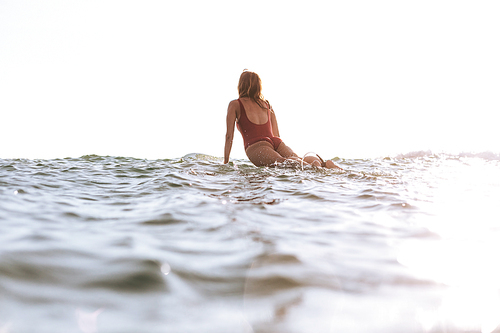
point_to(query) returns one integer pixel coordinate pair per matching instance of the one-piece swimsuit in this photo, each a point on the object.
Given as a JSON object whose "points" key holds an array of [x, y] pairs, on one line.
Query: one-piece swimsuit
{"points": [[253, 133]]}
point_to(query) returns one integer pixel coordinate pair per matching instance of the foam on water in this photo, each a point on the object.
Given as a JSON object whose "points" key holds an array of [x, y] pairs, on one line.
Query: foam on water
{"points": [[114, 244]]}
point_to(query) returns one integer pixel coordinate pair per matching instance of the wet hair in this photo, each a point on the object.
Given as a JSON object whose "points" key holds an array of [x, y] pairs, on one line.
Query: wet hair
{"points": [[250, 86]]}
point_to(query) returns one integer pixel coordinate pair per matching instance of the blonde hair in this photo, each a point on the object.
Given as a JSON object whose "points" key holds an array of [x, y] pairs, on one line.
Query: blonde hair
{"points": [[250, 86]]}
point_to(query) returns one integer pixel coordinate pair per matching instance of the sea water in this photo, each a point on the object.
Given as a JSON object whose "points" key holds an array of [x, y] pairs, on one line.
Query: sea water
{"points": [[112, 244]]}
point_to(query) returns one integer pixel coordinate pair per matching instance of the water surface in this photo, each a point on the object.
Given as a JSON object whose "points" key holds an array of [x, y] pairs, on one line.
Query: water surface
{"points": [[115, 244]]}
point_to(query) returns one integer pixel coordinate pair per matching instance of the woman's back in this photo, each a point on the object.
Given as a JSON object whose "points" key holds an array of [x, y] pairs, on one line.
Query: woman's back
{"points": [[255, 113]]}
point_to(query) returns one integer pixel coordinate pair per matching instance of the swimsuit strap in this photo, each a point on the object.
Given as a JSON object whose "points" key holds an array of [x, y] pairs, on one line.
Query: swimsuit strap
{"points": [[242, 109]]}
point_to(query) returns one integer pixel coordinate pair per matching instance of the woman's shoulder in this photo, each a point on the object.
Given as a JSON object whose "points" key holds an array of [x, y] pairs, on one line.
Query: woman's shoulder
{"points": [[234, 104], [234, 107]]}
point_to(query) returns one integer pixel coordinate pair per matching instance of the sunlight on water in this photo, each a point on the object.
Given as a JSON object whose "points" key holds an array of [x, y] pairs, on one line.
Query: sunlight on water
{"points": [[470, 272], [5, 328], [465, 257], [165, 268], [87, 321]]}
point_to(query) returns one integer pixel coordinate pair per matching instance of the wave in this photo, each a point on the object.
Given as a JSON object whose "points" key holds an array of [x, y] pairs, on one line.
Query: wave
{"points": [[200, 156], [486, 155]]}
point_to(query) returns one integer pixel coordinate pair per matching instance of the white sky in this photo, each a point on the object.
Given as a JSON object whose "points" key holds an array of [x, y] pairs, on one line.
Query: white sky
{"points": [[153, 78]]}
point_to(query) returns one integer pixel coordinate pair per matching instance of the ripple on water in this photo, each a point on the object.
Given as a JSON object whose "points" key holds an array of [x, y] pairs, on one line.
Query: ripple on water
{"points": [[164, 219], [130, 275], [79, 270]]}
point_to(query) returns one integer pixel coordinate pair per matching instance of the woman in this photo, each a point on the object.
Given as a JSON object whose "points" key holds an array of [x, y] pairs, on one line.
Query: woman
{"points": [[256, 121]]}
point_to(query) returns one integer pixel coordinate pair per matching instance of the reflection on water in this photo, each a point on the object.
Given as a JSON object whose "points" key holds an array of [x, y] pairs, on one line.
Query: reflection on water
{"points": [[293, 308], [470, 272], [471, 308], [464, 256]]}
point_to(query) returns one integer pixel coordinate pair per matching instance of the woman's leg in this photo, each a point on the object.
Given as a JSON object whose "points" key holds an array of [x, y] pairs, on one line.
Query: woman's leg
{"points": [[315, 160], [286, 151], [330, 165], [262, 153]]}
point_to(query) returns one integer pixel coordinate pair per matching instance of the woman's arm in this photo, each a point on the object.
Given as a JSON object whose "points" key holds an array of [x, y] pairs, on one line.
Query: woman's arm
{"points": [[274, 124], [230, 119]]}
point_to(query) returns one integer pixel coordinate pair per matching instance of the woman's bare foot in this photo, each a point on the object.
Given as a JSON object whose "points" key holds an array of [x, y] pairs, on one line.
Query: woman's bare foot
{"points": [[330, 165]]}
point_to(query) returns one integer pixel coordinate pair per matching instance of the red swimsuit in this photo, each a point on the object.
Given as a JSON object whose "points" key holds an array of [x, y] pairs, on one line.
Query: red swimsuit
{"points": [[253, 133]]}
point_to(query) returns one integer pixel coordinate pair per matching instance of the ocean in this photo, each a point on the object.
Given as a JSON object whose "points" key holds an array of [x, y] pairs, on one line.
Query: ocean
{"points": [[401, 244]]}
